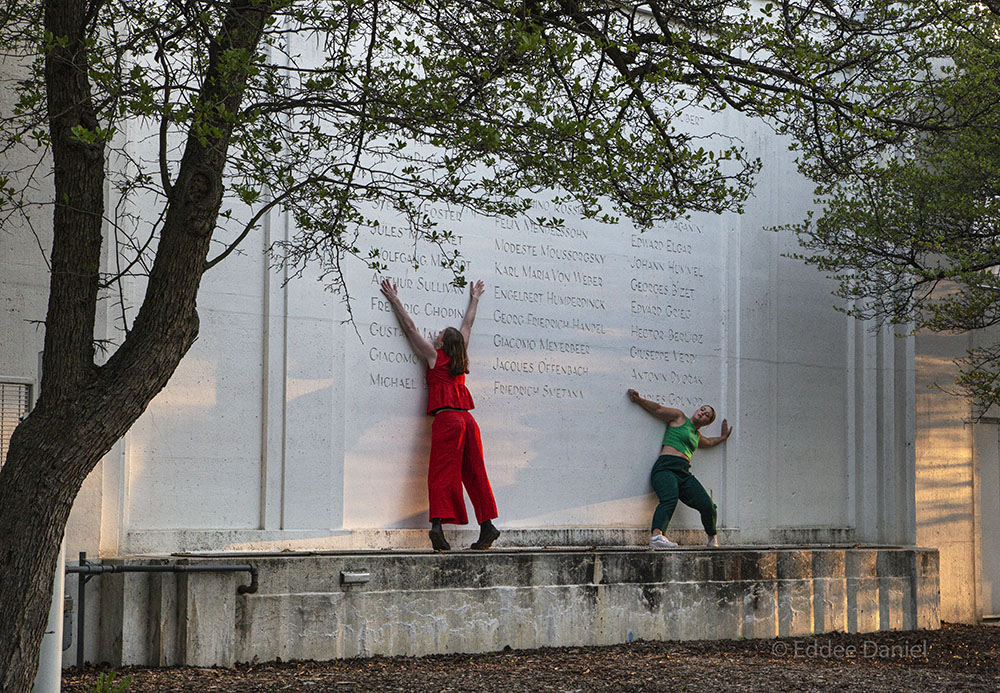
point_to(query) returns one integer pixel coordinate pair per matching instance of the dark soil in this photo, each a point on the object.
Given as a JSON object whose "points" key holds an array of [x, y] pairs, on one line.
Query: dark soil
{"points": [[955, 658]]}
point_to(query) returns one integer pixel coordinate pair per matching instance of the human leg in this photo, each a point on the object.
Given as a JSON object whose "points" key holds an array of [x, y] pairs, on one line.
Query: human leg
{"points": [[693, 494], [665, 484], [474, 476], [477, 485], [444, 470]]}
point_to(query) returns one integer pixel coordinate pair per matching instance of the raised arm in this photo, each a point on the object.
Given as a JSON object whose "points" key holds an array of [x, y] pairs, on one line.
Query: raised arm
{"points": [[476, 290], [661, 412], [420, 345], [706, 442]]}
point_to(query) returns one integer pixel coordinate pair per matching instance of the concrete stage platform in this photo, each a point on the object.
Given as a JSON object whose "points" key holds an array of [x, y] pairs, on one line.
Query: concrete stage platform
{"points": [[326, 605]]}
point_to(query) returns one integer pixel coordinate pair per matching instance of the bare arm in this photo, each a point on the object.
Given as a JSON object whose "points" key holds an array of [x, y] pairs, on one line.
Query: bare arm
{"points": [[705, 442], [420, 345], [470, 313], [661, 412]]}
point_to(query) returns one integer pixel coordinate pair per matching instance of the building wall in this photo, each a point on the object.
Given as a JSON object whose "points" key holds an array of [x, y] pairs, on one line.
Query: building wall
{"points": [[286, 427], [986, 436], [958, 481], [946, 476], [23, 276]]}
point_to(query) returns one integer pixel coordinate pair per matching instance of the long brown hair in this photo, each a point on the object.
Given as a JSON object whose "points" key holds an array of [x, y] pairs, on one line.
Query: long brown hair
{"points": [[453, 344]]}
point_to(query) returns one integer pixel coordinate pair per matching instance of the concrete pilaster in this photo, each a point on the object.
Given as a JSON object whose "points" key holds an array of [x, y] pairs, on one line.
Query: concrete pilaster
{"points": [[795, 593], [862, 591]]}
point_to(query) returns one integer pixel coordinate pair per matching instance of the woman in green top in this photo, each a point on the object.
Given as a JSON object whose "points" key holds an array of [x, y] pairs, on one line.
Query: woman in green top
{"points": [[671, 476]]}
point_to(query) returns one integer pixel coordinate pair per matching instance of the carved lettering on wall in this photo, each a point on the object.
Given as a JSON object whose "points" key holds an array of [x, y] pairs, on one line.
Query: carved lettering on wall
{"points": [[561, 302]]}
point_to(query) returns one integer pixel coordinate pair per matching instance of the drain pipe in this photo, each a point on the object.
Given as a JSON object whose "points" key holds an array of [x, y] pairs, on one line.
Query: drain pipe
{"points": [[49, 676], [88, 569]]}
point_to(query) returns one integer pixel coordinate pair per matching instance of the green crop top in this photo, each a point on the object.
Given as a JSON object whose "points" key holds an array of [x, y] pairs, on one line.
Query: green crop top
{"points": [[683, 438]]}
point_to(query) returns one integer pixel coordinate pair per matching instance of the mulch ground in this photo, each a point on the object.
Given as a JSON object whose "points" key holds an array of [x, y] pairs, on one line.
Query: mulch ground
{"points": [[955, 658]]}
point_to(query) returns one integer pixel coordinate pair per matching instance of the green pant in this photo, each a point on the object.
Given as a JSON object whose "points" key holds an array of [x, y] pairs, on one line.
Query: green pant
{"points": [[672, 482]]}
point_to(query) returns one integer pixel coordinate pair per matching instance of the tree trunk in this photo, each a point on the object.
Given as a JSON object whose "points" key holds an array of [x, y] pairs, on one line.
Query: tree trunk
{"points": [[51, 454], [36, 518], [84, 408], [36, 495]]}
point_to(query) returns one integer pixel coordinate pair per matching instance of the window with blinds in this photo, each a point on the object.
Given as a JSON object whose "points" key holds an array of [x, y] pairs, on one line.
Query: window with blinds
{"points": [[15, 400]]}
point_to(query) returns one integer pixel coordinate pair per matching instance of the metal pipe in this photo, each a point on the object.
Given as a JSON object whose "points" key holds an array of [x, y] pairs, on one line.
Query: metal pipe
{"points": [[89, 569], [86, 570], [81, 598]]}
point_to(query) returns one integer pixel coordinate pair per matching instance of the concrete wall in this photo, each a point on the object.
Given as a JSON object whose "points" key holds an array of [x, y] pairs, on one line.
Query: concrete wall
{"points": [[422, 604], [285, 427], [945, 475], [24, 243], [958, 482]]}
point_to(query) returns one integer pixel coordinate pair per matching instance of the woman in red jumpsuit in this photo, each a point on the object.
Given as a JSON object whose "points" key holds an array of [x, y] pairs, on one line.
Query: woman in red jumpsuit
{"points": [[456, 448]]}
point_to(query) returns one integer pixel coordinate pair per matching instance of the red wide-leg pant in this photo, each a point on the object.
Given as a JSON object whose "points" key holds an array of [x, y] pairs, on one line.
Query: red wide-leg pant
{"points": [[456, 459]]}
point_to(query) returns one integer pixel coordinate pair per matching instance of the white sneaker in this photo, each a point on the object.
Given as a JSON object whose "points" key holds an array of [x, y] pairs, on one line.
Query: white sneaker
{"points": [[659, 542], [713, 542]]}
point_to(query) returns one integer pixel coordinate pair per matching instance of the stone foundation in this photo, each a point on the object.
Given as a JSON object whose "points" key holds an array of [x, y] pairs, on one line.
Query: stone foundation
{"points": [[417, 603]]}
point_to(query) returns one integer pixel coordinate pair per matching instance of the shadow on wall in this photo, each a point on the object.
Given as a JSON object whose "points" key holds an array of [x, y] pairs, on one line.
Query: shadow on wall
{"points": [[944, 475]]}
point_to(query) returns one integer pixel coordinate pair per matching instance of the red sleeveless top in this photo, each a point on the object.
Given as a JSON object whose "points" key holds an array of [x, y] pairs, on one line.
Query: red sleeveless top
{"points": [[445, 389]]}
